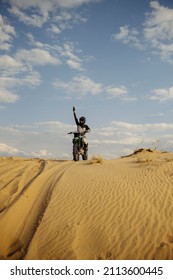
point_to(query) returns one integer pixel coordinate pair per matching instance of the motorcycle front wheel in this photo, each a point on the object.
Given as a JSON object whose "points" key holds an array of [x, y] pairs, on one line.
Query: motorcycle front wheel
{"points": [[75, 152]]}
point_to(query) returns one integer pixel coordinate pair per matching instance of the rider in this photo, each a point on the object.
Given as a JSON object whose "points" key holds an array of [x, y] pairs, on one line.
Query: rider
{"points": [[82, 128]]}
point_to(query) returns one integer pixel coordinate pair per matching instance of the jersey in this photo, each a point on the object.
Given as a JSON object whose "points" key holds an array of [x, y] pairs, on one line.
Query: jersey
{"points": [[82, 128]]}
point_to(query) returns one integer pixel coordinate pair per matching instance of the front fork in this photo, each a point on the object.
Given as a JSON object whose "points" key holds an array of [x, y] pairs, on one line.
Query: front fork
{"points": [[79, 143]]}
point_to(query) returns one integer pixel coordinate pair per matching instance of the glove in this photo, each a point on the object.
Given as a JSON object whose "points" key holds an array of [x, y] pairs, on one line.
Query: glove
{"points": [[73, 109]]}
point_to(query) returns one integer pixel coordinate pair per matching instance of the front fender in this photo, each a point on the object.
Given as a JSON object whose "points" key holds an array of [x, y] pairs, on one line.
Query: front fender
{"points": [[77, 141]]}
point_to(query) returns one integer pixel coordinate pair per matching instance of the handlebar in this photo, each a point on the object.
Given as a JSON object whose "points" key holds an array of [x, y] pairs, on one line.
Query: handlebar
{"points": [[78, 133], [74, 132]]}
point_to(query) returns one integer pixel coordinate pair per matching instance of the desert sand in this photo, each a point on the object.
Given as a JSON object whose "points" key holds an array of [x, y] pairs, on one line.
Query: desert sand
{"points": [[119, 209]]}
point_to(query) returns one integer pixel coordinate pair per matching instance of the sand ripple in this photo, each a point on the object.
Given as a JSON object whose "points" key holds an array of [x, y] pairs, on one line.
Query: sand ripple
{"points": [[120, 209]]}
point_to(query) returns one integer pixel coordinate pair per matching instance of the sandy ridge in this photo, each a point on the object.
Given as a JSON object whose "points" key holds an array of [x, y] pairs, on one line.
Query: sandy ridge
{"points": [[120, 209]]}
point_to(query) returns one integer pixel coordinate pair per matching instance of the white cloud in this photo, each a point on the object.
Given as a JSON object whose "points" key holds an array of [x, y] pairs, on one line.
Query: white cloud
{"points": [[121, 136], [55, 29], [87, 85], [8, 82], [133, 140], [49, 5], [128, 36], [120, 92], [80, 85], [143, 127], [30, 79], [65, 20], [15, 73], [68, 53], [24, 60], [7, 61], [18, 70], [73, 3], [74, 64], [72, 59], [33, 19], [7, 32], [162, 94], [7, 96], [117, 91], [157, 115], [7, 149], [37, 44], [123, 33], [71, 54], [40, 139], [159, 19], [42, 153], [37, 139], [52, 126], [37, 57], [37, 12], [158, 30], [9, 66]]}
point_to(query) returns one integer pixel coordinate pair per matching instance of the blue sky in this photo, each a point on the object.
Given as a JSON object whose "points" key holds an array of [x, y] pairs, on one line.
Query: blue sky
{"points": [[112, 59]]}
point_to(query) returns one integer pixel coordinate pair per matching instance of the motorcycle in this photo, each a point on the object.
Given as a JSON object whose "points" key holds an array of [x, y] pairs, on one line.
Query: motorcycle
{"points": [[78, 146]]}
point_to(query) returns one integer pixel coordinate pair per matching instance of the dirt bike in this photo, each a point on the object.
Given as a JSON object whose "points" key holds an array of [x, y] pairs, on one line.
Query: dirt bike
{"points": [[78, 146]]}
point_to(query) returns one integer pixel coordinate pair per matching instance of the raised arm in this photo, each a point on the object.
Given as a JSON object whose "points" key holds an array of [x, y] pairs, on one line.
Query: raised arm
{"points": [[75, 118]]}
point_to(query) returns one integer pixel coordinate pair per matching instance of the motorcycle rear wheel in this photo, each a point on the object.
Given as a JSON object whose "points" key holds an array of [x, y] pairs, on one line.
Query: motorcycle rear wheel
{"points": [[85, 156]]}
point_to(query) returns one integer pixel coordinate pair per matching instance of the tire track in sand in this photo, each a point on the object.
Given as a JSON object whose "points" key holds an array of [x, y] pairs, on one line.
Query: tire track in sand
{"points": [[41, 169], [22, 229]]}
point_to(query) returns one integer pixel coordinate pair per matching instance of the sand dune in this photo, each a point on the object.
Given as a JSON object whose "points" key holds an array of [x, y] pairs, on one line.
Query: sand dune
{"points": [[119, 209]]}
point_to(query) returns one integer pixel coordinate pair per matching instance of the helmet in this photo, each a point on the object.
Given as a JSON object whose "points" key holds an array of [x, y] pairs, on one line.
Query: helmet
{"points": [[82, 120]]}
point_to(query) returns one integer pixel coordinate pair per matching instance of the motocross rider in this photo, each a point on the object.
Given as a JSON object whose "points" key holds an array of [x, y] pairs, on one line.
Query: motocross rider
{"points": [[82, 128]]}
